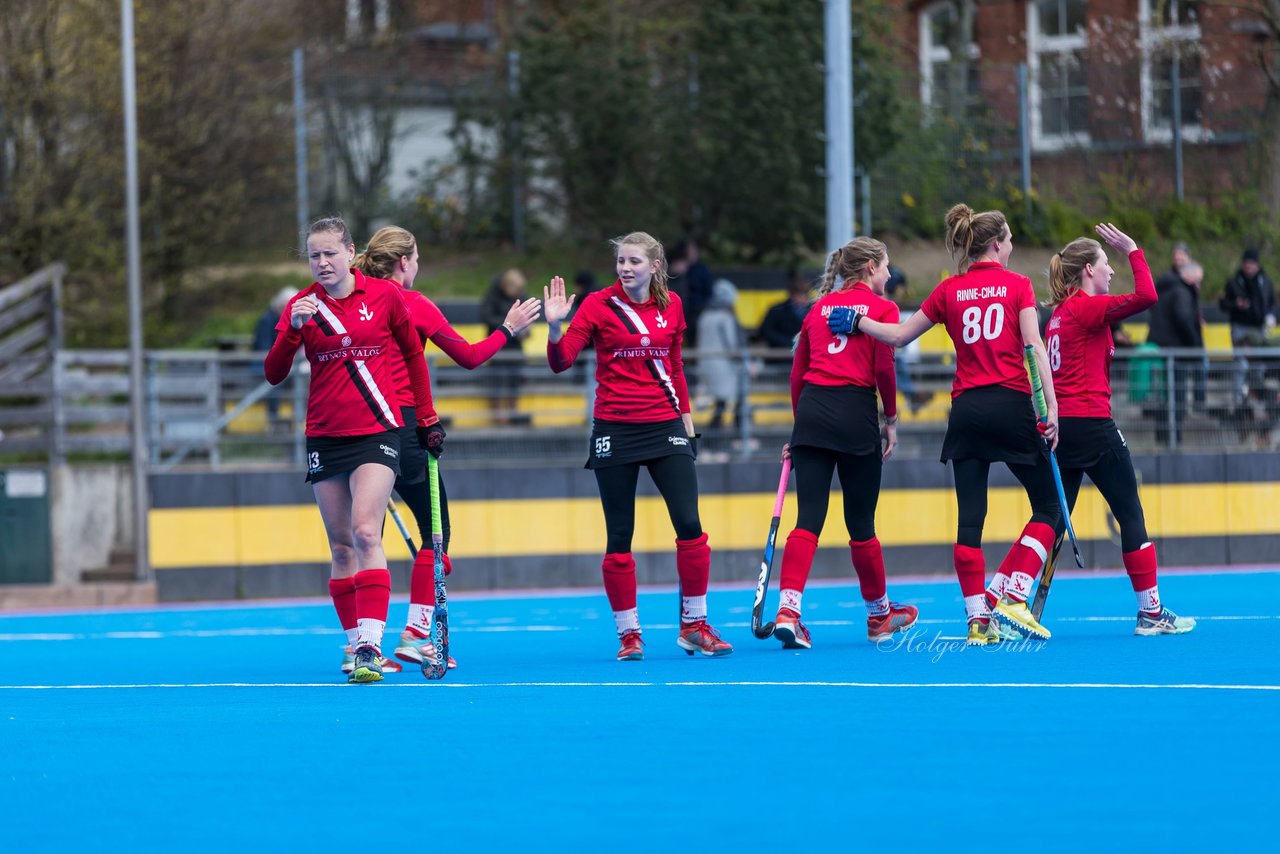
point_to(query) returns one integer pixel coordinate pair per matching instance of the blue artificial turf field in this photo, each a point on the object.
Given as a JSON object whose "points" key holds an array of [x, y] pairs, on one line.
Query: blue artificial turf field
{"points": [[230, 728]]}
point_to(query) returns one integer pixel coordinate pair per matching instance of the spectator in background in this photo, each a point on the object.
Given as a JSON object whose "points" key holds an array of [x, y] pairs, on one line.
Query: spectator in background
{"points": [[722, 354], [584, 283], [506, 377], [677, 269], [697, 283], [1175, 321], [783, 320], [264, 335], [896, 289], [1249, 299]]}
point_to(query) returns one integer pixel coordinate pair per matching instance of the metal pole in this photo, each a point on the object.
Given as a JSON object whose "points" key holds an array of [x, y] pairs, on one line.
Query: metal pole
{"points": [[864, 197], [517, 160], [839, 124], [1024, 137], [300, 146], [133, 254], [1175, 97]]}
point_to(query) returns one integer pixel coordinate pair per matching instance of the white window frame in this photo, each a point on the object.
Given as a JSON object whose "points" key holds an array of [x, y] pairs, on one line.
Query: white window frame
{"points": [[1037, 46], [1151, 35], [381, 17], [931, 53]]}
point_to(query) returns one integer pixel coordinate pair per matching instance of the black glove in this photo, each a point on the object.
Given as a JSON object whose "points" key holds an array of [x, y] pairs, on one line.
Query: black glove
{"points": [[432, 439]]}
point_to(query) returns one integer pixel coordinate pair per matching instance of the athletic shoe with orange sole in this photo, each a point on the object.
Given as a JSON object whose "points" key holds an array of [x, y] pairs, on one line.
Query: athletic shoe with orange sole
{"points": [[415, 650], [700, 637], [349, 662], [899, 618], [788, 629], [632, 647]]}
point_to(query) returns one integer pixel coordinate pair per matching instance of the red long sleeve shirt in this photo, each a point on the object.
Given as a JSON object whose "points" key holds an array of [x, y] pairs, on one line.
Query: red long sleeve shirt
{"points": [[824, 358], [1080, 345], [348, 343], [980, 310], [432, 326], [639, 369]]}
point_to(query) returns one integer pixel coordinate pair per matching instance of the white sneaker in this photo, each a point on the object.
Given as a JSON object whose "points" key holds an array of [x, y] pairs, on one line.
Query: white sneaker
{"points": [[1164, 623], [416, 650]]}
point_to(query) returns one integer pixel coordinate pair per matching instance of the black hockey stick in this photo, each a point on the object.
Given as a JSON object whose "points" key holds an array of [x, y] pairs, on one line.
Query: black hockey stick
{"points": [[440, 625], [766, 563], [1042, 413], [1046, 578]]}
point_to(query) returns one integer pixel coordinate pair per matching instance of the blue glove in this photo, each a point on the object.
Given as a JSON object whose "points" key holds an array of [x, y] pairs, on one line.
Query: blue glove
{"points": [[843, 320]]}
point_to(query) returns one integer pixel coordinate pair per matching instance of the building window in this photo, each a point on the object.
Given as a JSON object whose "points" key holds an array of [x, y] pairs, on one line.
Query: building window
{"points": [[1170, 33], [1059, 86], [939, 30], [367, 17]]}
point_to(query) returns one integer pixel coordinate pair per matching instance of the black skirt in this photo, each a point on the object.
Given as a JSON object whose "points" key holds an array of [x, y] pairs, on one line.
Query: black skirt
{"points": [[620, 443], [330, 456], [413, 458], [993, 423], [1083, 442], [842, 418]]}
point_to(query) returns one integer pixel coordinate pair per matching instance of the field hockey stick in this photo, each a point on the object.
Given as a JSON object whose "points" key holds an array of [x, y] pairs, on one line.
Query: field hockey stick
{"points": [[1042, 413], [766, 562], [440, 625], [1046, 578], [404, 532]]}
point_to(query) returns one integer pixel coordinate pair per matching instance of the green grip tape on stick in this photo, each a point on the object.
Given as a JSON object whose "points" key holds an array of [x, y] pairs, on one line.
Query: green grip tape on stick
{"points": [[437, 528], [1037, 387]]}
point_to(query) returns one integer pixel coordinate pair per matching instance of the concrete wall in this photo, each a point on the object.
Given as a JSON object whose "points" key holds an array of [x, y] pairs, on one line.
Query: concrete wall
{"points": [[92, 514], [256, 534]]}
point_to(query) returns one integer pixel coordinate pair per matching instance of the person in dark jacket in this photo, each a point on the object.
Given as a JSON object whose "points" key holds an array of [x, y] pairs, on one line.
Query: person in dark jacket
{"points": [[1175, 321], [1249, 299], [506, 377], [782, 322], [264, 335]]}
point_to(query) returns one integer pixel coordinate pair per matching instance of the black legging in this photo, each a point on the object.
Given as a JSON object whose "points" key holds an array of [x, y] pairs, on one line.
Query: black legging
{"points": [[676, 481], [1114, 477], [971, 496], [418, 497], [859, 483]]}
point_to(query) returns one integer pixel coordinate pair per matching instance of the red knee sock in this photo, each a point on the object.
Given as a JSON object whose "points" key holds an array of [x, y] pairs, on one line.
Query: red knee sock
{"points": [[373, 596], [868, 562], [620, 581], [1141, 566], [693, 565], [422, 581], [971, 569], [343, 592], [797, 561], [1025, 558], [971, 572]]}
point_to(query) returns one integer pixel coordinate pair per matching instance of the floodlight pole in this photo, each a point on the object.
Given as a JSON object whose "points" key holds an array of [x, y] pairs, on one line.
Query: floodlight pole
{"points": [[839, 124], [137, 393], [300, 155]]}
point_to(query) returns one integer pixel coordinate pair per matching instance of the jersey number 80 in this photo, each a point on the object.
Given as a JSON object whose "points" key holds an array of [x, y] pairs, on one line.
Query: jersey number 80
{"points": [[979, 324]]}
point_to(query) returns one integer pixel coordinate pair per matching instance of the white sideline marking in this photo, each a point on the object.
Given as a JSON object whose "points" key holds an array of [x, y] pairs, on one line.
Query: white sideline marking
{"points": [[775, 684], [269, 631], [248, 632]]}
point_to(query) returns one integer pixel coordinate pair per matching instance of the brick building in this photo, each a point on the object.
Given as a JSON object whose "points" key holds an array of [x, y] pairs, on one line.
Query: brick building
{"points": [[1099, 81]]}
